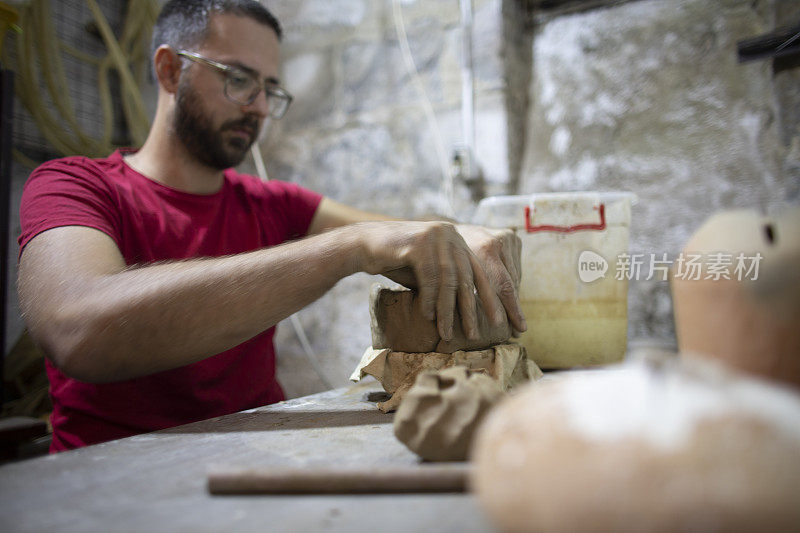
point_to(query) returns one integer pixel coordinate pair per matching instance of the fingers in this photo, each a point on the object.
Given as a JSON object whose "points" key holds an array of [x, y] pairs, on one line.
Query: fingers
{"points": [[427, 273], [507, 257], [507, 282], [445, 278], [507, 291], [466, 296], [510, 251], [506, 278], [492, 306], [448, 284], [516, 256], [517, 317], [499, 254]]}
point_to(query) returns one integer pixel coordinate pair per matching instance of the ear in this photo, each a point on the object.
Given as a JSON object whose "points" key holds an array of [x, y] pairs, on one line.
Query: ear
{"points": [[168, 68]]}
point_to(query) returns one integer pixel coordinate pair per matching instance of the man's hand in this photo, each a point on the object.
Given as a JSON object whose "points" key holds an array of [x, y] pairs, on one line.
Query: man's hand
{"points": [[498, 251], [434, 258]]}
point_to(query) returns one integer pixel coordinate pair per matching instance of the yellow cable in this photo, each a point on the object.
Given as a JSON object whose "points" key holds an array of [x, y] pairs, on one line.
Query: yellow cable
{"points": [[106, 105], [29, 87], [134, 106], [53, 70], [77, 54], [58, 122], [23, 159]]}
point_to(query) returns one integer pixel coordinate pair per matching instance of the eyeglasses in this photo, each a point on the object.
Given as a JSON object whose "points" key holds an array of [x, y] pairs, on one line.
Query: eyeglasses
{"points": [[243, 87]]}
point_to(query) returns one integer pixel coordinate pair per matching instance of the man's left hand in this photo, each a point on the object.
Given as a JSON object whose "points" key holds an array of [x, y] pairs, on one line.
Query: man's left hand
{"points": [[498, 251]]}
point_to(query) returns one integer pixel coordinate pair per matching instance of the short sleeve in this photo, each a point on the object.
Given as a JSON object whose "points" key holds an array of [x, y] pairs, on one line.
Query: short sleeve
{"points": [[67, 192], [298, 204]]}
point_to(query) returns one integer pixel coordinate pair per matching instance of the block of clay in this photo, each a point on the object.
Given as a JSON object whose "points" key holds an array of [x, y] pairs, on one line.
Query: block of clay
{"points": [[441, 411], [396, 371], [397, 322]]}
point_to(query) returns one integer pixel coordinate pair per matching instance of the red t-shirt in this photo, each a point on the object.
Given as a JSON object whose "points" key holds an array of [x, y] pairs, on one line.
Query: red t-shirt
{"points": [[151, 222]]}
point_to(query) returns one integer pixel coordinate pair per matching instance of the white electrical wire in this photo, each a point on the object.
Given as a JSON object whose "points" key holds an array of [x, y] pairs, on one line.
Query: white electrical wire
{"points": [[467, 87], [405, 49], [311, 355], [261, 170]]}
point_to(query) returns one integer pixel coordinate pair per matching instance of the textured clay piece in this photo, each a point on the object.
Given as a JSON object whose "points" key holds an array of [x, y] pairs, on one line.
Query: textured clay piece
{"points": [[750, 324], [652, 445], [440, 413], [397, 323], [396, 371]]}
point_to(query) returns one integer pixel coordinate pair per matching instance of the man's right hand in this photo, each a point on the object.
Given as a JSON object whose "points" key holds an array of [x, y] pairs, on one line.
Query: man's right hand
{"points": [[433, 258]]}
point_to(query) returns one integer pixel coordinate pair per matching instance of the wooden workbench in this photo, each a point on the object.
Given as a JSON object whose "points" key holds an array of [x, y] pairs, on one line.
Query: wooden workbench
{"points": [[157, 481]]}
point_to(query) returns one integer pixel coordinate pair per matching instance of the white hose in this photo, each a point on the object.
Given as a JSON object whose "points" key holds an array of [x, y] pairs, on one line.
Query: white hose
{"points": [[467, 88], [447, 175]]}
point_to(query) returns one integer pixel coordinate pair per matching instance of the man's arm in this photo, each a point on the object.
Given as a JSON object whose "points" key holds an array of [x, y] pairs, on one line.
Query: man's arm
{"points": [[100, 321]]}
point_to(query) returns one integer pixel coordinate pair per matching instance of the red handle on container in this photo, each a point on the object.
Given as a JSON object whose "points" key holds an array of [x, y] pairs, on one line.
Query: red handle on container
{"points": [[565, 229]]}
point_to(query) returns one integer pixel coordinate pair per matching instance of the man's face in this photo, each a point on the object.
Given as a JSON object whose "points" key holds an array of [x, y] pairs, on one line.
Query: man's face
{"points": [[216, 131], [218, 147]]}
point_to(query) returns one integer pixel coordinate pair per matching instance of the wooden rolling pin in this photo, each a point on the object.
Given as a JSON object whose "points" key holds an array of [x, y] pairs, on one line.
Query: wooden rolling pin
{"points": [[437, 478]]}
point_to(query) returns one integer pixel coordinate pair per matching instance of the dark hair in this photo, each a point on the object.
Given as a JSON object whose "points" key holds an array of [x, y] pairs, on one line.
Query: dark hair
{"points": [[184, 23]]}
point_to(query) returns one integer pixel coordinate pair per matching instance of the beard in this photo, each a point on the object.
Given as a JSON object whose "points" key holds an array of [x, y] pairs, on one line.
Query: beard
{"points": [[205, 143]]}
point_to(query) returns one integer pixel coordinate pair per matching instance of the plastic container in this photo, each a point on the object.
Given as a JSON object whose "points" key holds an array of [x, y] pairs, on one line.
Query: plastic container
{"points": [[574, 294]]}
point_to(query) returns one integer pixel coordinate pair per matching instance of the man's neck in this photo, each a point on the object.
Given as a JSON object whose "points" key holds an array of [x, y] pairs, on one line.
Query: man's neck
{"points": [[164, 159]]}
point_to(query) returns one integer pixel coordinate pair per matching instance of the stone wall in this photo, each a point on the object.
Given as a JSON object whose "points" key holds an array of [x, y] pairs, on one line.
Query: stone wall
{"points": [[357, 133], [648, 97], [645, 96]]}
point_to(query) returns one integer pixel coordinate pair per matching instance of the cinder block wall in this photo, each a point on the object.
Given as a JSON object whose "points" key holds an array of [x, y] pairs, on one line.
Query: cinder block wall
{"points": [[645, 96]]}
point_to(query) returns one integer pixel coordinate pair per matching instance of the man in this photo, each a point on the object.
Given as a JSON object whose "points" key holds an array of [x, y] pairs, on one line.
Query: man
{"points": [[153, 279]]}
